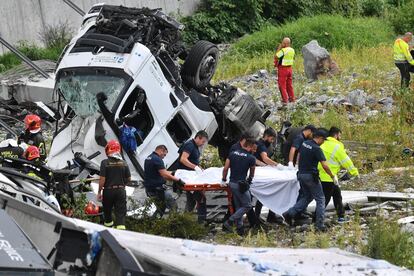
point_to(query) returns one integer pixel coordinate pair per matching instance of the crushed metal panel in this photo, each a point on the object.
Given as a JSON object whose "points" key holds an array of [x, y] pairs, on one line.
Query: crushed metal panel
{"points": [[17, 252]]}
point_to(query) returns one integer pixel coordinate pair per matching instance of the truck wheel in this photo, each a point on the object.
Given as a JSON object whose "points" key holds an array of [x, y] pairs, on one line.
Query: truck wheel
{"points": [[200, 64]]}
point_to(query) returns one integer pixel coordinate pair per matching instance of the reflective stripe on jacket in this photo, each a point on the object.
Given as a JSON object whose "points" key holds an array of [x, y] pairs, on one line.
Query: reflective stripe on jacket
{"points": [[287, 55], [336, 158], [402, 52]]}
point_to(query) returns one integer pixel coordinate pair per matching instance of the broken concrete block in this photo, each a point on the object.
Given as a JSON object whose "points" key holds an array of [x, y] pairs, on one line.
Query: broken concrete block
{"points": [[357, 97], [317, 61]]}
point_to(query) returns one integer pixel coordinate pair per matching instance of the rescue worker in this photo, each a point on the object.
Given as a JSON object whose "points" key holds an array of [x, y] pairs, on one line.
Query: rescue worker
{"points": [[337, 158], [239, 146], [403, 58], [291, 134], [262, 153], [284, 59], [155, 176], [114, 176], [310, 155], [32, 169], [305, 134], [264, 156], [32, 135], [189, 160], [10, 149], [251, 215], [240, 162]]}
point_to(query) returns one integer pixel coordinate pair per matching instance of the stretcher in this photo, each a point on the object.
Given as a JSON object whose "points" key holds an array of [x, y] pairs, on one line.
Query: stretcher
{"points": [[211, 187]]}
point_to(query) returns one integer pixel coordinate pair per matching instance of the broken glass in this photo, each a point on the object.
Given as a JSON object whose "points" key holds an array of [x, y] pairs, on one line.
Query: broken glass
{"points": [[79, 88]]}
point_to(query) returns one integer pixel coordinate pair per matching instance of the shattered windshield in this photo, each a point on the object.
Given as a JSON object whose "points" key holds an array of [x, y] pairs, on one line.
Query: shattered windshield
{"points": [[80, 86]]}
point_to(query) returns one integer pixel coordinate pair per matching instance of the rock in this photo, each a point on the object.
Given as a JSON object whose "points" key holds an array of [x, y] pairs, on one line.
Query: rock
{"points": [[409, 190], [386, 101], [321, 99], [357, 97], [316, 60], [372, 113], [371, 100], [263, 73]]}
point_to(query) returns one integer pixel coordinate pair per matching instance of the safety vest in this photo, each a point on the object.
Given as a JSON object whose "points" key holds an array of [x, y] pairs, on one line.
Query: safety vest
{"points": [[337, 158], [402, 52], [287, 55]]}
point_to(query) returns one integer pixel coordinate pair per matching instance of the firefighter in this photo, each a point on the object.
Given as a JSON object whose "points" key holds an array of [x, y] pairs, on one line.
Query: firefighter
{"points": [[336, 158], [189, 160], [114, 176], [32, 135], [310, 155], [403, 58], [155, 176], [240, 162], [284, 59], [32, 169], [10, 149]]}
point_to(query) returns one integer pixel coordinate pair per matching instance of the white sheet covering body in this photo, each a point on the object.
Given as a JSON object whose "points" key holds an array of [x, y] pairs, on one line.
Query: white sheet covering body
{"points": [[276, 189]]}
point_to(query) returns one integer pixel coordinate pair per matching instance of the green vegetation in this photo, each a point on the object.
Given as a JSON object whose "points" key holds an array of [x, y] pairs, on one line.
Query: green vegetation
{"points": [[33, 52], [174, 225], [54, 37], [387, 241], [225, 20]]}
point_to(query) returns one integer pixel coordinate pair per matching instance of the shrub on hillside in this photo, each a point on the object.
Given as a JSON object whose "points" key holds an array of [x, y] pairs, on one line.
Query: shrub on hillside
{"points": [[330, 31], [221, 20], [402, 18], [373, 7]]}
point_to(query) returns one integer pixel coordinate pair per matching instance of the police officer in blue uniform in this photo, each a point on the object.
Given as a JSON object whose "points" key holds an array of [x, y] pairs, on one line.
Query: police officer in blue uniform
{"points": [[263, 153], [155, 177], [189, 160], [304, 135], [309, 156], [240, 162]]}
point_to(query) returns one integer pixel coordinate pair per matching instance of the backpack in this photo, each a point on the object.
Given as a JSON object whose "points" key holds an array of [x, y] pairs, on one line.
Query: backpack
{"points": [[128, 140]]}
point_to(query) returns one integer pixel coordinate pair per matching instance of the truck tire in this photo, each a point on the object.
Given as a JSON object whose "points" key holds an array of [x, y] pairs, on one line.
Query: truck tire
{"points": [[200, 64]]}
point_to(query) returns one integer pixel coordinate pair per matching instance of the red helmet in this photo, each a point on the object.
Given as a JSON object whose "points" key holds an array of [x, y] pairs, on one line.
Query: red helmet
{"points": [[32, 123], [112, 147], [32, 152], [91, 208]]}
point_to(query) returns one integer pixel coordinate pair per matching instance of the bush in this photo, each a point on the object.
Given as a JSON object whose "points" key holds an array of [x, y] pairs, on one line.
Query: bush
{"points": [[402, 18], [223, 20], [330, 31], [387, 241], [56, 36], [373, 7]]}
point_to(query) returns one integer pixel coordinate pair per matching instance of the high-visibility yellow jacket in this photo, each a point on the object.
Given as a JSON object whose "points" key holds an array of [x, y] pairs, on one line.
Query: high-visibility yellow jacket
{"points": [[287, 55], [337, 158], [402, 52]]}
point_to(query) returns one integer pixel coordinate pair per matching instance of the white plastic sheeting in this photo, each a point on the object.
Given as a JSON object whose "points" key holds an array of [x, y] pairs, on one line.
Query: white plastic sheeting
{"points": [[276, 189]]}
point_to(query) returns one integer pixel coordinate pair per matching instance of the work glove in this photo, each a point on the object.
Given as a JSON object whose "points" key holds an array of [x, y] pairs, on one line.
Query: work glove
{"points": [[291, 167], [198, 170], [336, 181], [223, 183]]}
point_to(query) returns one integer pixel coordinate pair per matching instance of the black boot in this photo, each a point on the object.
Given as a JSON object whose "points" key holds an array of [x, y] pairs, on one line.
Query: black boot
{"points": [[287, 218]]}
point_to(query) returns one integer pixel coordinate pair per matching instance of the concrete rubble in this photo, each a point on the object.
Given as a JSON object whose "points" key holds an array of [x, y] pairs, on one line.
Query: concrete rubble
{"points": [[317, 61]]}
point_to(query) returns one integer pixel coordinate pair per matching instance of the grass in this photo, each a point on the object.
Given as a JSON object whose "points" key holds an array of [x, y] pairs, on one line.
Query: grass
{"points": [[387, 241], [33, 52]]}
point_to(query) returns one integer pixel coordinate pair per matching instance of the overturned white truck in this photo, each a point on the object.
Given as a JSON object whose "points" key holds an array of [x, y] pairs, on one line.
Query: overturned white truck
{"points": [[131, 65]]}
